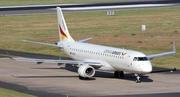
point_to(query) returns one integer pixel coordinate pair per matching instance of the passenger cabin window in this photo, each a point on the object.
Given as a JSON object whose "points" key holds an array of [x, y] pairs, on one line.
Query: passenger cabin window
{"points": [[140, 59]]}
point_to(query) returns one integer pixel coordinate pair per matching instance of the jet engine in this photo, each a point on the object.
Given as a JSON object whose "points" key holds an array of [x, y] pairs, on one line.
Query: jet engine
{"points": [[86, 71]]}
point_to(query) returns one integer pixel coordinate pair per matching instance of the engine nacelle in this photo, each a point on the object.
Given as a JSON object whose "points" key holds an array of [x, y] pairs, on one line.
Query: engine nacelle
{"points": [[86, 71]]}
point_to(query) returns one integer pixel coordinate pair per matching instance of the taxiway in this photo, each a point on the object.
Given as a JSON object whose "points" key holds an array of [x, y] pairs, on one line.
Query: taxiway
{"points": [[51, 79]]}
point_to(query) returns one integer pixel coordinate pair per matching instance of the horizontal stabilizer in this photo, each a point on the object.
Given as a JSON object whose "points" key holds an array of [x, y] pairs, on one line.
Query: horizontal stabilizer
{"points": [[41, 43], [84, 40]]}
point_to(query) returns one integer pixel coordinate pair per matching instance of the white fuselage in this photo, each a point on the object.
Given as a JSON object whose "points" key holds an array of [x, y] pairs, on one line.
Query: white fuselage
{"points": [[111, 58]]}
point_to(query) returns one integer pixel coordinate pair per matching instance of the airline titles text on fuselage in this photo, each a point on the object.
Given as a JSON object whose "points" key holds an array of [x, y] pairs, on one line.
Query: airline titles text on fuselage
{"points": [[112, 52]]}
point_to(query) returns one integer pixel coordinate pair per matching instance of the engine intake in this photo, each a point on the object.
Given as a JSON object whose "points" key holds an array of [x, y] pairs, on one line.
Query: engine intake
{"points": [[86, 71]]}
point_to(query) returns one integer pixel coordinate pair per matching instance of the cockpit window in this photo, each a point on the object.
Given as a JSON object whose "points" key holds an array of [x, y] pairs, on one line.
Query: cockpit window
{"points": [[140, 59], [135, 59]]}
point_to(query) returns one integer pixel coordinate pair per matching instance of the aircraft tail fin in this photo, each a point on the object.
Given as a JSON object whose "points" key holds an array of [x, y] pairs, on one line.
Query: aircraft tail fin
{"points": [[63, 30]]}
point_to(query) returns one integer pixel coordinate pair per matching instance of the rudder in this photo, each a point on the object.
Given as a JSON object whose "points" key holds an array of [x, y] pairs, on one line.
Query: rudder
{"points": [[63, 30]]}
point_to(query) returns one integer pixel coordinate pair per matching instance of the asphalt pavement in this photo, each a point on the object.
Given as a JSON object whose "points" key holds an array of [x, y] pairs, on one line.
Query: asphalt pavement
{"points": [[47, 80]]}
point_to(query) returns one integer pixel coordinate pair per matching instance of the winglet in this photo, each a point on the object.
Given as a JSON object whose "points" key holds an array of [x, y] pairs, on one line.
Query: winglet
{"points": [[10, 57], [174, 47]]}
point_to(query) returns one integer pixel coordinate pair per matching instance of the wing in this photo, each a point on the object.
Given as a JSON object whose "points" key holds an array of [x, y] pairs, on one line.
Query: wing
{"points": [[163, 54], [91, 63], [84, 40], [45, 60], [41, 43], [74, 62]]}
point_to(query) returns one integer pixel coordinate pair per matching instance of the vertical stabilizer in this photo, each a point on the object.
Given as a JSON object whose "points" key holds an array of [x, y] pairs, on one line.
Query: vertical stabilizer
{"points": [[63, 30]]}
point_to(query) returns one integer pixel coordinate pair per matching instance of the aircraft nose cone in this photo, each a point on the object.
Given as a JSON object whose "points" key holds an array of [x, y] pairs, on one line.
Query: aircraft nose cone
{"points": [[146, 68]]}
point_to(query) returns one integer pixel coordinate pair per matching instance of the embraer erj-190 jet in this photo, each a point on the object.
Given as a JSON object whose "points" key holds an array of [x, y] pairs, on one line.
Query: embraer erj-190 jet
{"points": [[90, 57]]}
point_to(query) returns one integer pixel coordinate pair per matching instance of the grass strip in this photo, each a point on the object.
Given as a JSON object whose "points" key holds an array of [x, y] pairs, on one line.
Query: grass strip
{"points": [[12, 93]]}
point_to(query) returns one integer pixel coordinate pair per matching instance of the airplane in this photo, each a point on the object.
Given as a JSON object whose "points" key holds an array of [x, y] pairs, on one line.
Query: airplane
{"points": [[91, 57]]}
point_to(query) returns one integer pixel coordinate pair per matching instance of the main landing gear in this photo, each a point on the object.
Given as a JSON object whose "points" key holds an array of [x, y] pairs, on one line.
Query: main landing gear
{"points": [[138, 78], [118, 74], [121, 75]]}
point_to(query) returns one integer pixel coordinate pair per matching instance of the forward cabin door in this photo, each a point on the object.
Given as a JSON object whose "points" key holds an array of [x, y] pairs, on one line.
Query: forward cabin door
{"points": [[128, 61]]}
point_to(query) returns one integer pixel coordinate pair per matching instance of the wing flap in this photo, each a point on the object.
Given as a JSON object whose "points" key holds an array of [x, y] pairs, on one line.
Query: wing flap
{"points": [[46, 60], [39, 61]]}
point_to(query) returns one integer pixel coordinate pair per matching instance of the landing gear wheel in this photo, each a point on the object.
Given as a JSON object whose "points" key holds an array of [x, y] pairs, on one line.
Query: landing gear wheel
{"points": [[116, 74], [121, 75], [138, 81], [138, 78]]}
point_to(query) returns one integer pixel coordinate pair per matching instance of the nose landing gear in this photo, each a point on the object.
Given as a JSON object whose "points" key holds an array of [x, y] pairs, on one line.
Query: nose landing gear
{"points": [[138, 78]]}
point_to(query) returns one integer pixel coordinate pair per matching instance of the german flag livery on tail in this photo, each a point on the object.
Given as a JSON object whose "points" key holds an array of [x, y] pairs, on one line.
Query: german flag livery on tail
{"points": [[63, 30]]}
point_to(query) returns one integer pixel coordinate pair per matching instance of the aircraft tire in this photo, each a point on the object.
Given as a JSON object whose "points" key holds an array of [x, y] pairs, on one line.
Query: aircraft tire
{"points": [[116, 74], [121, 74]]}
